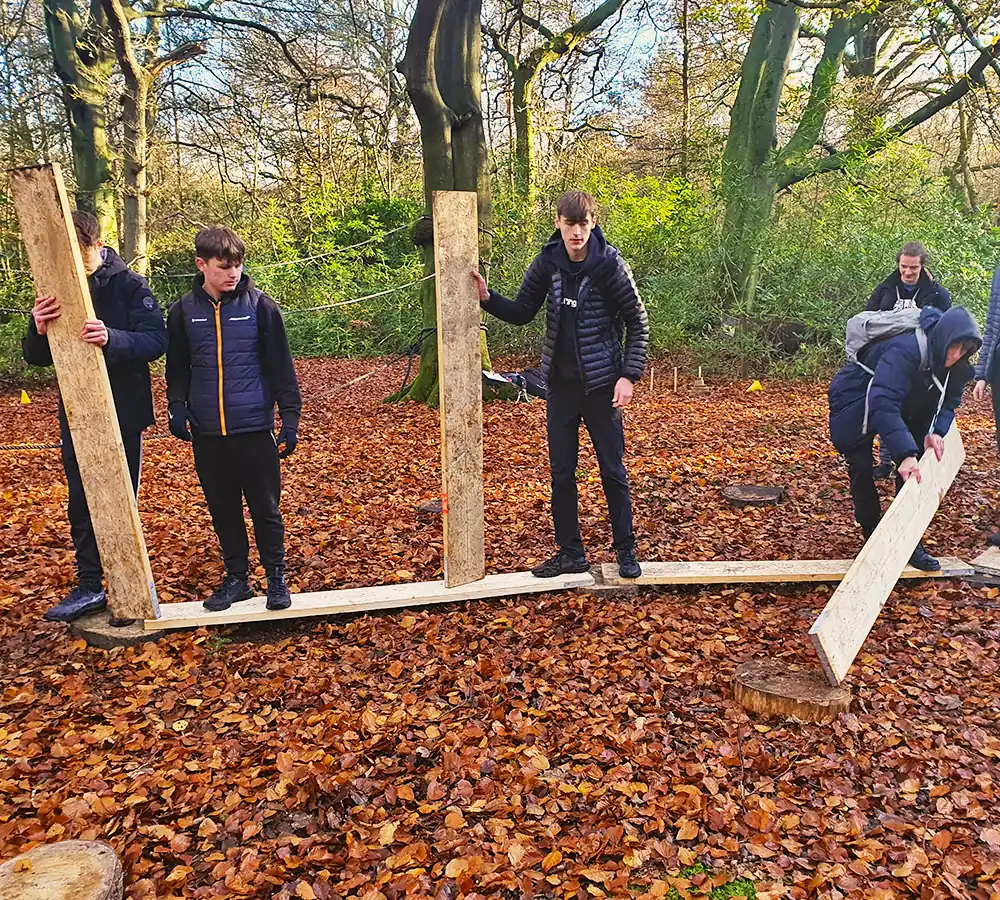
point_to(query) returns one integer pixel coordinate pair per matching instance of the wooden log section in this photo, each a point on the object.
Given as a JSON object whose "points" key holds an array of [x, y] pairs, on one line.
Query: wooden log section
{"points": [[774, 688], [842, 627], [460, 385], [47, 227], [69, 870]]}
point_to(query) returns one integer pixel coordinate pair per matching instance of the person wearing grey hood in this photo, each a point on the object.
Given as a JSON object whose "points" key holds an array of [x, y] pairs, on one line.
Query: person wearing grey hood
{"points": [[909, 401]]}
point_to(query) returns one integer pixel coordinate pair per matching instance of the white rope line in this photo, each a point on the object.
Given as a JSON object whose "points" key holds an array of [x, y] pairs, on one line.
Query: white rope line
{"points": [[392, 290], [292, 262]]}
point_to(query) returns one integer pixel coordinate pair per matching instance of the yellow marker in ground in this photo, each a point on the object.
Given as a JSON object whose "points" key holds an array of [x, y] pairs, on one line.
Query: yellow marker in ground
{"points": [[756, 386], [25, 399]]}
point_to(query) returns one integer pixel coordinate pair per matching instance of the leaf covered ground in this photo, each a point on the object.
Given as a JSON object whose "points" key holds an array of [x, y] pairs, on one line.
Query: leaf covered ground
{"points": [[557, 745]]}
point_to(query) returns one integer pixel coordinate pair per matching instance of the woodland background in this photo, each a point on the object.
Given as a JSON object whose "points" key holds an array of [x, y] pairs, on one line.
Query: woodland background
{"points": [[758, 164]]}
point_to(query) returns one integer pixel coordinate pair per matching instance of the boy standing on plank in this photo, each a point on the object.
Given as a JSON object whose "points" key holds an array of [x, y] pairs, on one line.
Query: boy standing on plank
{"points": [[228, 364], [593, 308], [129, 327], [905, 389]]}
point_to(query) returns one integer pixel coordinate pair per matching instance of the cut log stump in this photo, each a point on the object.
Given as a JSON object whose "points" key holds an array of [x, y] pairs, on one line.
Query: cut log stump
{"points": [[69, 870], [774, 688], [740, 495]]}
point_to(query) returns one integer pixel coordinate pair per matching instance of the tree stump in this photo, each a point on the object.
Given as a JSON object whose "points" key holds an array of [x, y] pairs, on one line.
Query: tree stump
{"points": [[69, 870], [775, 688], [740, 495]]}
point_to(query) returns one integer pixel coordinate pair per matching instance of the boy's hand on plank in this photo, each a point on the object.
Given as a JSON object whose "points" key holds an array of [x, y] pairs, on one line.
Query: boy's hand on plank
{"points": [[484, 292], [45, 310], [909, 468], [95, 332], [936, 443]]}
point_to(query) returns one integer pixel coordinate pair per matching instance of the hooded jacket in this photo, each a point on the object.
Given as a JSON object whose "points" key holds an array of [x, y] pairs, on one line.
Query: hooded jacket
{"points": [[136, 336], [984, 365], [612, 328], [930, 292], [229, 361], [906, 400]]}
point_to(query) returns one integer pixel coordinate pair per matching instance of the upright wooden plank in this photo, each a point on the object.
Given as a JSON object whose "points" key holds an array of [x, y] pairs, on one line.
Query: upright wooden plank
{"points": [[779, 571], [43, 210], [193, 614], [460, 366], [840, 630]]}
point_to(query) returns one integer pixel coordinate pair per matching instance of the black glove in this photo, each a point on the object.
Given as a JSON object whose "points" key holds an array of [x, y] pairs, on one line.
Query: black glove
{"points": [[177, 415], [286, 441]]}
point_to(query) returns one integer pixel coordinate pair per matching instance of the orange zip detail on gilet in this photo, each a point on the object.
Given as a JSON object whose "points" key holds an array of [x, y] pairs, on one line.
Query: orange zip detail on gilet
{"points": [[218, 354]]}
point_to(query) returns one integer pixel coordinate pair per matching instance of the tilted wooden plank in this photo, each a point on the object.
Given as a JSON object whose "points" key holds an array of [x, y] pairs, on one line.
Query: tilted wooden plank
{"points": [[989, 562], [353, 600], [848, 617], [47, 227], [783, 571], [460, 384]]}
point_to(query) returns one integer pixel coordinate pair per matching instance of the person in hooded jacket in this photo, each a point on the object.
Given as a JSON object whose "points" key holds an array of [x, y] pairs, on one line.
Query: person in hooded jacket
{"points": [[596, 338], [910, 285], [129, 326], [228, 365], [909, 404], [988, 368]]}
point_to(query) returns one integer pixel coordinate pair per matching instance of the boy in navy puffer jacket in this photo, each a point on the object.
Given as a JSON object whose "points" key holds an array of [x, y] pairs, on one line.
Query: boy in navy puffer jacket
{"points": [[228, 364], [909, 404]]}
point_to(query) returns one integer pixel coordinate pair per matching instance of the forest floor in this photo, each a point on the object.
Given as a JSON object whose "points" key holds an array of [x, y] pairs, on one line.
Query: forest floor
{"points": [[557, 745]]}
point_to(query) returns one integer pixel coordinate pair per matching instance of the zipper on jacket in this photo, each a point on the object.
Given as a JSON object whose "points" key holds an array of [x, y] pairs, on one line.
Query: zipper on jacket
{"points": [[584, 285], [218, 356]]}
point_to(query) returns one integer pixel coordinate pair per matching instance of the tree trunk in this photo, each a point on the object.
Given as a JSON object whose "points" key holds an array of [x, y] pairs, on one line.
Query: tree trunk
{"points": [[443, 79], [83, 59], [524, 136]]}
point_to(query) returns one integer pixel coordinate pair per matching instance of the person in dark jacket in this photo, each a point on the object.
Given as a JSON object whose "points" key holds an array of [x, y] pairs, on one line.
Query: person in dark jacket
{"points": [[912, 284], [228, 364], [596, 338], [909, 402], [988, 369], [129, 326]]}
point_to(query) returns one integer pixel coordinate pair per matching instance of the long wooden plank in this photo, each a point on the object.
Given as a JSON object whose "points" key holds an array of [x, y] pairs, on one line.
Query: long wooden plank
{"points": [[354, 600], [460, 380], [841, 629], [989, 562], [43, 210], [763, 571]]}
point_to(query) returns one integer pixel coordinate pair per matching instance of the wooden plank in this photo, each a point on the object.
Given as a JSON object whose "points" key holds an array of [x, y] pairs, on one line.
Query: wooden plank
{"points": [[841, 629], [355, 600], [989, 562], [47, 227], [763, 571], [460, 380]]}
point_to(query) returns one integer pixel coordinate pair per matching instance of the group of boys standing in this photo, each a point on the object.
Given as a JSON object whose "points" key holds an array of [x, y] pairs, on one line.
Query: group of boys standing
{"points": [[229, 365]]}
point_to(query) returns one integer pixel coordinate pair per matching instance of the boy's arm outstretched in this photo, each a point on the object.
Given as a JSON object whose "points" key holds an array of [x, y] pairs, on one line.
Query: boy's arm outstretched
{"points": [[530, 296]]}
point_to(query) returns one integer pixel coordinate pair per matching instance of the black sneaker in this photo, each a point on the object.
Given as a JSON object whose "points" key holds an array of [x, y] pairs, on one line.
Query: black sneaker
{"points": [[628, 565], [922, 560], [277, 591], [994, 539], [80, 601], [882, 471], [233, 589], [565, 562]]}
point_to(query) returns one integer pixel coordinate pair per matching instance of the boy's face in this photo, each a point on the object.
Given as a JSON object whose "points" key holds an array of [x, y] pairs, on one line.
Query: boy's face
{"points": [[575, 234], [957, 352], [910, 268], [92, 259], [220, 276]]}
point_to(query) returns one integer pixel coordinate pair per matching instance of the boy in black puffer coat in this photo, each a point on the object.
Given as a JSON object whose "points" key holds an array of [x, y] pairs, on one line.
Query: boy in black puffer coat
{"points": [[129, 326], [596, 338], [227, 366], [910, 403]]}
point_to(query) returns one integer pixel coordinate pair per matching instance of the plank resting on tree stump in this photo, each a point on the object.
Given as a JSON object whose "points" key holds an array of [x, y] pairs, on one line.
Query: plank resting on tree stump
{"points": [[69, 870], [773, 688], [989, 562], [460, 380], [47, 227], [848, 617]]}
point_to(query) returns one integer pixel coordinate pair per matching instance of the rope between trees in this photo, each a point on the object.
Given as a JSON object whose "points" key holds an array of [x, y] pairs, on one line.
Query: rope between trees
{"points": [[399, 287]]}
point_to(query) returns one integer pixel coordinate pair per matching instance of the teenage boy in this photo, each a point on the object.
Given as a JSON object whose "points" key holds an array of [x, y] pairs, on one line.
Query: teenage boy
{"points": [[911, 285], [593, 308], [988, 370], [909, 401], [228, 364], [128, 325]]}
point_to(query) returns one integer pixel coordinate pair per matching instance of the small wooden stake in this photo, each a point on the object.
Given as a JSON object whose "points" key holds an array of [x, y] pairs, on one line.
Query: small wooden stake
{"points": [[47, 228], [460, 367], [652, 375], [675, 379]]}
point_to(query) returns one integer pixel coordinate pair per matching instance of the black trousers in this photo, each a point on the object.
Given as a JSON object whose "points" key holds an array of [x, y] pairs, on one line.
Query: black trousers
{"points": [[229, 469], [88, 559], [867, 508], [995, 393], [566, 407]]}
